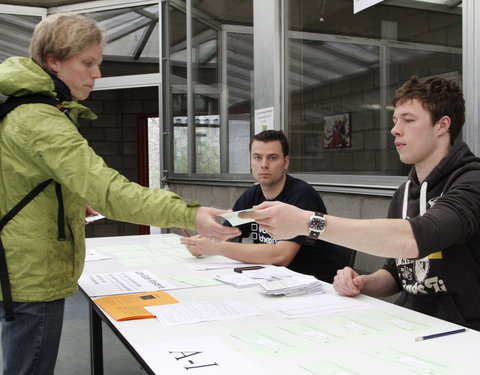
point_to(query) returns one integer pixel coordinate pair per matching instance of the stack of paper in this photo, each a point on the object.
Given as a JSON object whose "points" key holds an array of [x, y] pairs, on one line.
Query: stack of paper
{"points": [[237, 280], [292, 286], [274, 280]]}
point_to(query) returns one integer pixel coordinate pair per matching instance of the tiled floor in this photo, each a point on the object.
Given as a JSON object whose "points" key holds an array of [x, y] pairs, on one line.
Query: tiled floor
{"points": [[74, 354]]}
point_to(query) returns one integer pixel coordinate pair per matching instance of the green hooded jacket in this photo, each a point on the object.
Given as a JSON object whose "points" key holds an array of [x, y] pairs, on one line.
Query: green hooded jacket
{"points": [[38, 142]]}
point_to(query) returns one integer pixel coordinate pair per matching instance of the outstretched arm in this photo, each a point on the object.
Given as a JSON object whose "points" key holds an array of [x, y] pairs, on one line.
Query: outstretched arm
{"points": [[391, 238]]}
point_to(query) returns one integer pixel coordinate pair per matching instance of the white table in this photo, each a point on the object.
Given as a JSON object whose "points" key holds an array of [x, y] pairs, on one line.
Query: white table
{"points": [[365, 341]]}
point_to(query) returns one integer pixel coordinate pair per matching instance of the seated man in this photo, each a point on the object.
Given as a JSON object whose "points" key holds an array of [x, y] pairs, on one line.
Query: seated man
{"points": [[269, 152]]}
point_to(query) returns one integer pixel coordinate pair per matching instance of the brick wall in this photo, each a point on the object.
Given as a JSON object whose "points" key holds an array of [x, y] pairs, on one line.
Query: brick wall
{"points": [[113, 136]]}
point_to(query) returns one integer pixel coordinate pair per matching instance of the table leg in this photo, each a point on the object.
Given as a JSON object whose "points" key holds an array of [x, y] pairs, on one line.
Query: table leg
{"points": [[96, 342]]}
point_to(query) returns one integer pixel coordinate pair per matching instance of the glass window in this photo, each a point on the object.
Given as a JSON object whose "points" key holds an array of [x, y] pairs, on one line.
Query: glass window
{"points": [[206, 88], [221, 81], [239, 88], [177, 80], [132, 40], [154, 134], [15, 34], [342, 71]]}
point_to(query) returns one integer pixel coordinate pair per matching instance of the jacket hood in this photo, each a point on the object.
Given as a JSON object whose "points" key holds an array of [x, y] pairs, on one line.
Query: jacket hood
{"points": [[455, 161], [21, 76]]}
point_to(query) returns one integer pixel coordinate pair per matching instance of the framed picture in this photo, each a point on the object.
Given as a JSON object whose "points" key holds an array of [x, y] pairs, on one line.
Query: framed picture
{"points": [[337, 131]]}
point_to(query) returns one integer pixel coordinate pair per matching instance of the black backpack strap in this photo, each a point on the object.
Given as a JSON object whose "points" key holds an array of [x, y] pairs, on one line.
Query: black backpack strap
{"points": [[60, 215], [14, 101], [7, 106], [4, 279]]}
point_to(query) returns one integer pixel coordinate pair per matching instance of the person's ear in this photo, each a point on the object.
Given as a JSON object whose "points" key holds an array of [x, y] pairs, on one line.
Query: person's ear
{"points": [[287, 162], [52, 64], [444, 124]]}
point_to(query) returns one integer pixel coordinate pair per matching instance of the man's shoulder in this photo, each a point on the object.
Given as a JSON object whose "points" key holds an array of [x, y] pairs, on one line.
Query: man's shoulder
{"points": [[294, 183], [301, 194], [248, 197]]}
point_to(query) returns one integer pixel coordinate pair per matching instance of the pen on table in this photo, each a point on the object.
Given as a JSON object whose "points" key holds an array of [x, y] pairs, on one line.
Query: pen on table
{"points": [[441, 334]]}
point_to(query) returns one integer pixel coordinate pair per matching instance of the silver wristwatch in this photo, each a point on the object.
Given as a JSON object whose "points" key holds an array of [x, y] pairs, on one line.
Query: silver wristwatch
{"points": [[316, 225]]}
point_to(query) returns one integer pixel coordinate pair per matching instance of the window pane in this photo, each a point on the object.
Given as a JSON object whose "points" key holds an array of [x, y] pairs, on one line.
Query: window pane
{"points": [[240, 87], [15, 34], [154, 152], [180, 133], [340, 89], [435, 24], [178, 88], [132, 40], [222, 66], [206, 87]]}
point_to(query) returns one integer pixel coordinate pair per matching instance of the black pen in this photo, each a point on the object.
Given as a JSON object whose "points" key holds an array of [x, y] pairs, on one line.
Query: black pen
{"points": [[441, 334], [185, 232]]}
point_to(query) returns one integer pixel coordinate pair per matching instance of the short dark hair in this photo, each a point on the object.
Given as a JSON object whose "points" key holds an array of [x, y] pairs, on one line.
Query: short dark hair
{"points": [[439, 96], [270, 136]]}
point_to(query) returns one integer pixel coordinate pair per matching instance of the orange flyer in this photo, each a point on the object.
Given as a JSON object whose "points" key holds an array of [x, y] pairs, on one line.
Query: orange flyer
{"points": [[131, 306]]}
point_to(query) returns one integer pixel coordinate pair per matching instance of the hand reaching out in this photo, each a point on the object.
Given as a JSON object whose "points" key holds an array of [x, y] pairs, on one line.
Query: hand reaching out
{"points": [[206, 225]]}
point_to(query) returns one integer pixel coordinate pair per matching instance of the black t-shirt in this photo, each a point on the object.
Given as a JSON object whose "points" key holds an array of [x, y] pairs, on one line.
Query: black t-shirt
{"points": [[317, 258]]}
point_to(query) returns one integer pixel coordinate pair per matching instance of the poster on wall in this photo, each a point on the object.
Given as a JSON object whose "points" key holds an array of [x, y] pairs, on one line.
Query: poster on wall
{"points": [[337, 131], [264, 118], [359, 5]]}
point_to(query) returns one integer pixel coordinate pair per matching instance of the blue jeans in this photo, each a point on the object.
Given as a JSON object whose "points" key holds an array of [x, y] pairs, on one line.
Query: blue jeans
{"points": [[30, 342]]}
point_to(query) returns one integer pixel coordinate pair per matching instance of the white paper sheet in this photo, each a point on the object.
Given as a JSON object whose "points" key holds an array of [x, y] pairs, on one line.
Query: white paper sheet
{"points": [[234, 220], [237, 280], [195, 312], [214, 263], [316, 304], [90, 219], [105, 284], [92, 255], [200, 356]]}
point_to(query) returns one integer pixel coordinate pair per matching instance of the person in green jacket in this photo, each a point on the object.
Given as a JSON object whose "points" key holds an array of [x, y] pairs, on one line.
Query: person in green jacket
{"points": [[37, 143]]}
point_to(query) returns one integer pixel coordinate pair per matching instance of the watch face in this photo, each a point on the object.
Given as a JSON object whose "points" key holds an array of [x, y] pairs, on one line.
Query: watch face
{"points": [[317, 223]]}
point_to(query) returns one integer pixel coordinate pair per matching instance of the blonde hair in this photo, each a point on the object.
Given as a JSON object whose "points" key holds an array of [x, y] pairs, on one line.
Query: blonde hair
{"points": [[63, 35]]}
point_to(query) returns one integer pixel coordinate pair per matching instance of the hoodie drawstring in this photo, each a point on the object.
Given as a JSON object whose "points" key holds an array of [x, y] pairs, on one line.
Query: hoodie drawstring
{"points": [[423, 199], [405, 199]]}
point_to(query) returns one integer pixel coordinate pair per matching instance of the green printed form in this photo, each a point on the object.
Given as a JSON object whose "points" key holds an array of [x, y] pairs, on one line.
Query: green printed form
{"points": [[136, 255], [353, 327], [271, 341], [325, 367], [312, 333], [416, 364], [390, 320]]}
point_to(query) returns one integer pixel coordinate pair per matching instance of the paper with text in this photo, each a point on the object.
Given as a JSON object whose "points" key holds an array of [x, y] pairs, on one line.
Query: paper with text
{"points": [[195, 312], [105, 284], [197, 356]]}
